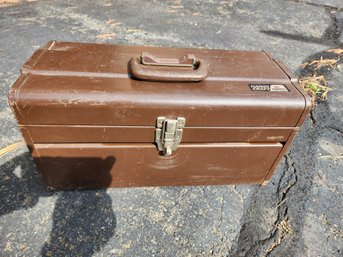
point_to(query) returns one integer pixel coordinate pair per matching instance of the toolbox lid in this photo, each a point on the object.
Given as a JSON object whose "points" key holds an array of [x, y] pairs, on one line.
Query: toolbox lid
{"points": [[101, 84]]}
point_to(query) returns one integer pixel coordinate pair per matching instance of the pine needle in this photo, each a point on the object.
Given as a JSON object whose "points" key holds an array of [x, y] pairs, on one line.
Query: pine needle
{"points": [[331, 157], [10, 148], [284, 228], [337, 51], [317, 64]]}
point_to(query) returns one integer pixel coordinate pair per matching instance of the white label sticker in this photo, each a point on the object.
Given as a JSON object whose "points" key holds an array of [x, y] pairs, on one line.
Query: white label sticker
{"points": [[278, 88], [268, 87]]}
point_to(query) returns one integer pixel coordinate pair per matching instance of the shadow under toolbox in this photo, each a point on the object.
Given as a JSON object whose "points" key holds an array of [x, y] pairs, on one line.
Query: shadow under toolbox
{"points": [[100, 115]]}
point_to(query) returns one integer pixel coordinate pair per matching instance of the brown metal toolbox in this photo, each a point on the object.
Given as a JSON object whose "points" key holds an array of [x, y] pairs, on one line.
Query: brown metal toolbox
{"points": [[100, 115]]}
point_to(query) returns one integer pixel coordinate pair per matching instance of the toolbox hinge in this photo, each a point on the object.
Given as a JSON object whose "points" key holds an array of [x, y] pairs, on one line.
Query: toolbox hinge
{"points": [[168, 134]]}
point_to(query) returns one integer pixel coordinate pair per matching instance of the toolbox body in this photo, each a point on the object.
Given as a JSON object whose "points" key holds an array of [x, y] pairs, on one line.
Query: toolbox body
{"points": [[100, 115]]}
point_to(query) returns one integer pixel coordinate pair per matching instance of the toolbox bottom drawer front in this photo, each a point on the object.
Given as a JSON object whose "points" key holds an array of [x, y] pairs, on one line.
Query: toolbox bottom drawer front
{"points": [[125, 165]]}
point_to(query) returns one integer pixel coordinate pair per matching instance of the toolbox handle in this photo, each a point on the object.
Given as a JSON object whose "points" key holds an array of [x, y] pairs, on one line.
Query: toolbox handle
{"points": [[150, 67]]}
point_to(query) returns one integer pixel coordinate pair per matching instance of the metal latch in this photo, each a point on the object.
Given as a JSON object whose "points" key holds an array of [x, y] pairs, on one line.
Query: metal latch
{"points": [[168, 134]]}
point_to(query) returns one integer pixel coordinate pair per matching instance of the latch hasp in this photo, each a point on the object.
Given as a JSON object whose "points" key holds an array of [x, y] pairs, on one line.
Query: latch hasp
{"points": [[168, 134]]}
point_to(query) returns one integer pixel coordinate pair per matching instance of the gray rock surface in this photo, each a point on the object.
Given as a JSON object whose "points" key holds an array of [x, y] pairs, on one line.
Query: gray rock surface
{"points": [[299, 213]]}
